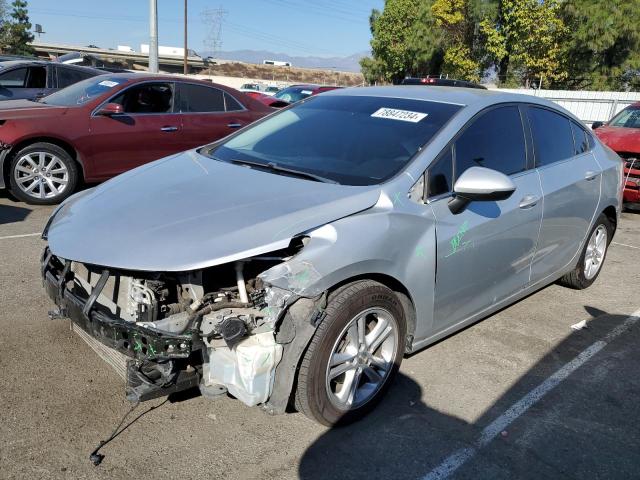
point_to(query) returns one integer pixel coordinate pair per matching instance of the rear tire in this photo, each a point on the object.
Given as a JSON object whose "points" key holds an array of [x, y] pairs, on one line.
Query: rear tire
{"points": [[363, 337], [42, 174], [593, 255]]}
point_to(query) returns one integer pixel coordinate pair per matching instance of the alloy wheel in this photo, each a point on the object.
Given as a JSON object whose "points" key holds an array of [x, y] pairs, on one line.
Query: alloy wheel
{"points": [[594, 255], [361, 358], [41, 175]]}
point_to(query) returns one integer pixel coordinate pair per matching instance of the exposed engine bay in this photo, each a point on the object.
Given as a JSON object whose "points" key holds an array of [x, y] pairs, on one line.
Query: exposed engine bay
{"points": [[214, 328]]}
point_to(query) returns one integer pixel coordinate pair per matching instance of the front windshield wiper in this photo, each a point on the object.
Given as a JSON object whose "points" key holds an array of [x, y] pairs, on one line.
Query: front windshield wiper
{"points": [[278, 168]]}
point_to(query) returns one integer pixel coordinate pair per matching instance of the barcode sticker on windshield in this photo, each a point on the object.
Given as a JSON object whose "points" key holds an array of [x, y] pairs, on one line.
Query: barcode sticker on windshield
{"points": [[403, 115], [108, 83]]}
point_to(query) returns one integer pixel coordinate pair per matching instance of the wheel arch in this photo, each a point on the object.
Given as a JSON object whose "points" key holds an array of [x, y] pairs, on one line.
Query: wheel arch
{"points": [[66, 146], [403, 294], [612, 215]]}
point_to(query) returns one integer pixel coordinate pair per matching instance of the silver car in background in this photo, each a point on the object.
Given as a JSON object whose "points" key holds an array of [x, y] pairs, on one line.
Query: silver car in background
{"points": [[297, 261]]}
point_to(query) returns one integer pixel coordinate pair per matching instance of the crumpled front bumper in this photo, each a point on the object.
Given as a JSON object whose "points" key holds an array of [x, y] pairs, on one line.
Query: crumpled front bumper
{"points": [[131, 339]]}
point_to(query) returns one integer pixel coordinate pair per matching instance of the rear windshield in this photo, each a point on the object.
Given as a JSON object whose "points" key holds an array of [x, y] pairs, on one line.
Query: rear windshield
{"points": [[628, 118], [294, 94], [84, 91], [351, 140]]}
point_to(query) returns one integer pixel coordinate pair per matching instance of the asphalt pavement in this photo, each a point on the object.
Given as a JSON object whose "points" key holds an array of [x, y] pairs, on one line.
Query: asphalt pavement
{"points": [[518, 395]]}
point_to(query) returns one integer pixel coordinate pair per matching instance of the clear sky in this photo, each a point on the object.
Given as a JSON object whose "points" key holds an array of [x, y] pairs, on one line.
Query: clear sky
{"points": [[295, 27]]}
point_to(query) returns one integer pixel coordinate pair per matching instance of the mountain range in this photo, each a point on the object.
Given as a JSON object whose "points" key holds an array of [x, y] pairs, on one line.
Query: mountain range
{"points": [[343, 64]]}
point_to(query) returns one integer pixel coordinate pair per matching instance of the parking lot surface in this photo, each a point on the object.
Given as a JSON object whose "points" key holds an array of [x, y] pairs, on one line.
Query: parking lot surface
{"points": [[518, 395]]}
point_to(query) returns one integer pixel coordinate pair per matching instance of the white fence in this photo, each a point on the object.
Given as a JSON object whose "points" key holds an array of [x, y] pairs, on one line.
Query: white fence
{"points": [[587, 106]]}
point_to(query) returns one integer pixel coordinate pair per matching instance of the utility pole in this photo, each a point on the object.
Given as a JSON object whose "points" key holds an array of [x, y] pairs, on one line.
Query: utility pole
{"points": [[186, 41], [153, 36]]}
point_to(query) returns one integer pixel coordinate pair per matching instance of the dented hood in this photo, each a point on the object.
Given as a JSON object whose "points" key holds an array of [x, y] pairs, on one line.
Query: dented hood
{"points": [[189, 211]]}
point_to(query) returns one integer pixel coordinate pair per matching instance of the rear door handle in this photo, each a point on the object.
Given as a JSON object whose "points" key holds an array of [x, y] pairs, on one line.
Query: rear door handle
{"points": [[590, 175], [529, 201], [169, 128], [234, 125]]}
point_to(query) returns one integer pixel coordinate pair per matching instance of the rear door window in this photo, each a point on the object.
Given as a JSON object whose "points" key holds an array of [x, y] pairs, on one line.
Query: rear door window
{"points": [[69, 76], [200, 99], [552, 136], [494, 140]]}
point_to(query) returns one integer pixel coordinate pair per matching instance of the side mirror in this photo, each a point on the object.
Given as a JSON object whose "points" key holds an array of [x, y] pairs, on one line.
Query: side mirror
{"points": [[111, 109], [595, 125], [480, 184]]}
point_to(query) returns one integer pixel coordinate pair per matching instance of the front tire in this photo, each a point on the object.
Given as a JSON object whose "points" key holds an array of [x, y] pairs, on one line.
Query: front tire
{"points": [[42, 174], [353, 356], [593, 256]]}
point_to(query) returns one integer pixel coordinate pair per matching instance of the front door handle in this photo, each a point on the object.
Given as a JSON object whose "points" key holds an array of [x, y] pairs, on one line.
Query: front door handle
{"points": [[234, 125], [590, 175], [169, 128], [529, 201]]}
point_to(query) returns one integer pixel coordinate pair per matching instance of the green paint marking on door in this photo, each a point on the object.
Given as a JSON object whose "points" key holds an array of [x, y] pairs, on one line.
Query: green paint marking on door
{"points": [[456, 242]]}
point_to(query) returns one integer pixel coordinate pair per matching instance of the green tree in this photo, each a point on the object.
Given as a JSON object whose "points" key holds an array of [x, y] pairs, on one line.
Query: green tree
{"points": [[525, 41], [16, 31], [603, 50], [456, 20], [391, 30], [402, 41], [425, 42]]}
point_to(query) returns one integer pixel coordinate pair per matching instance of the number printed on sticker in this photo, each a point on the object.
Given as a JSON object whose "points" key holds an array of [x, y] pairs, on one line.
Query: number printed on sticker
{"points": [[395, 114]]}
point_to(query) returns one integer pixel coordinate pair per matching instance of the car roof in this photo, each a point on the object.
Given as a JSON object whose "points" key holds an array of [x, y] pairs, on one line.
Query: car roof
{"points": [[134, 76], [26, 63], [15, 63], [455, 95]]}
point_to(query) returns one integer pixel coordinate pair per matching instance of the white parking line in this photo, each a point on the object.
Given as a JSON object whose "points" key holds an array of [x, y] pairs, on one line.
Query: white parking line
{"points": [[21, 236], [625, 245], [491, 431]]}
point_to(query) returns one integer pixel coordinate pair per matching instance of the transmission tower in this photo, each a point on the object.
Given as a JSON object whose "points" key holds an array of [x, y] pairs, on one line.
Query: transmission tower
{"points": [[213, 18]]}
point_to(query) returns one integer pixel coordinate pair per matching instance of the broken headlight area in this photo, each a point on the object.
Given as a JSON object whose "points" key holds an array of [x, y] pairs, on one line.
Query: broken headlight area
{"points": [[214, 327]]}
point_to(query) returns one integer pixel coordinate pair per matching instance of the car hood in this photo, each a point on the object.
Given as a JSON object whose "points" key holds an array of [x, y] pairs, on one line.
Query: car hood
{"points": [[26, 108], [620, 139], [189, 211]]}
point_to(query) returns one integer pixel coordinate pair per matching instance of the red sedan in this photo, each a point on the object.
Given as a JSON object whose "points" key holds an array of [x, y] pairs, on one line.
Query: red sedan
{"points": [[622, 134], [105, 125]]}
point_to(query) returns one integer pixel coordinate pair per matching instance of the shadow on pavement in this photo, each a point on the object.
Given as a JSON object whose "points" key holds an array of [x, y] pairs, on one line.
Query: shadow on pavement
{"points": [[586, 427], [13, 214]]}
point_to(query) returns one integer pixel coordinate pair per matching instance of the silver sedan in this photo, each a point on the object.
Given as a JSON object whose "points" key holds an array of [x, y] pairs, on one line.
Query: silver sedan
{"points": [[297, 261]]}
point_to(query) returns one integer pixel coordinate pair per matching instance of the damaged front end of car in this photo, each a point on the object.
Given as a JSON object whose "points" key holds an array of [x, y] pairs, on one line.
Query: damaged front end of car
{"points": [[224, 329]]}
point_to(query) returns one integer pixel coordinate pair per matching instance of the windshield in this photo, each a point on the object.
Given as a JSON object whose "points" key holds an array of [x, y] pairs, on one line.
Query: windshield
{"points": [[294, 94], [84, 91], [627, 118], [351, 140]]}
